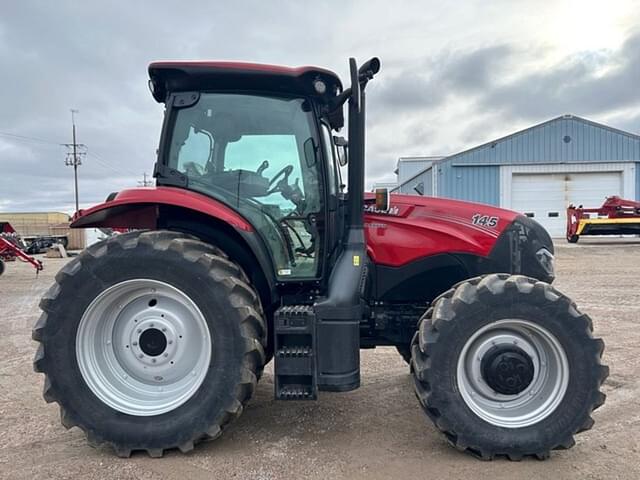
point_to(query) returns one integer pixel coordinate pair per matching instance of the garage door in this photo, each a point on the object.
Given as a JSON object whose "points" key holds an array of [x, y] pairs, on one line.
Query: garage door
{"points": [[545, 196]]}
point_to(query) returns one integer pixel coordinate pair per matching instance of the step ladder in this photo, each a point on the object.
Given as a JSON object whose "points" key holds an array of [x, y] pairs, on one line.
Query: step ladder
{"points": [[295, 353]]}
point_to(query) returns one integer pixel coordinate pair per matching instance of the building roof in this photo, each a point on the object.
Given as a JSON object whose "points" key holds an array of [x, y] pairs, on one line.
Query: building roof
{"points": [[428, 158], [605, 143], [567, 116]]}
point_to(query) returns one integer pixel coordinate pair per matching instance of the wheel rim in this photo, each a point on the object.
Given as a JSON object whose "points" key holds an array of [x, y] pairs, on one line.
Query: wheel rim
{"points": [[520, 397], [143, 347]]}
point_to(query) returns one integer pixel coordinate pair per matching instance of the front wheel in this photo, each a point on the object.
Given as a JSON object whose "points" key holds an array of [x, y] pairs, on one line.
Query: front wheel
{"points": [[506, 365], [150, 341]]}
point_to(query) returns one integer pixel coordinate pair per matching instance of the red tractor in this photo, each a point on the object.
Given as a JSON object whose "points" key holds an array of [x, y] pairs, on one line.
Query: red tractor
{"points": [[249, 248]]}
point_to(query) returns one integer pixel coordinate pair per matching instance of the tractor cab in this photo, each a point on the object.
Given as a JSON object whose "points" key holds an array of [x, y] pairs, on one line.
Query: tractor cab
{"points": [[258, 139]]}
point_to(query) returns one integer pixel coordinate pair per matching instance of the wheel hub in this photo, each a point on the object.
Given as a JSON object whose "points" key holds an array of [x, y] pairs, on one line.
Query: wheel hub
{"points": [[153, 342], [512, 373], [507, 369], [143, 347]]}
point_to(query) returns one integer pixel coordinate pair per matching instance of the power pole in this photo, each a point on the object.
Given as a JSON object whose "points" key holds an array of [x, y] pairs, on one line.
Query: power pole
{"points": [[74, 156], [144, 182]]}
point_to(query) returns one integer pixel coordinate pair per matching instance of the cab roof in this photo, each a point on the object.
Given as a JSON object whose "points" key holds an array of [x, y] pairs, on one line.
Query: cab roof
{"points": [[179, 76]]}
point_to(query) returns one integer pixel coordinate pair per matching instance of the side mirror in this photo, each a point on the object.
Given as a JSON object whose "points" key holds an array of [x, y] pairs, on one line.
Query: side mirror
{"points": [[341, 149], [382, 199], [310, 152]]}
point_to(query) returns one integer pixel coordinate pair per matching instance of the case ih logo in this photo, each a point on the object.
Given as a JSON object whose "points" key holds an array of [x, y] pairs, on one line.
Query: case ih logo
{"points": [[395, 211]]}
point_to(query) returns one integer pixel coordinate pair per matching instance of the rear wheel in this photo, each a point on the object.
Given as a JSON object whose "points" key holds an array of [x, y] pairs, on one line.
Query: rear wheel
{"points": [[150, 341], [573, 239], [506, 365], [1, 267]]}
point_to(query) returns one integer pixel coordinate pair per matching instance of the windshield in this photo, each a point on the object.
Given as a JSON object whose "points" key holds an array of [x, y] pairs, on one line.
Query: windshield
{"points": [[256, 154]]}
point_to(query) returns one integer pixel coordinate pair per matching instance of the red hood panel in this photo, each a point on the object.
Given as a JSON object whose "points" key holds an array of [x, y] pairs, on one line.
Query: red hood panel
{"points": [[415, 227]]}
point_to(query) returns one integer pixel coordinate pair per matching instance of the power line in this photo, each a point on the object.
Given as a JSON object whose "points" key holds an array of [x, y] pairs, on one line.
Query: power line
{"points": [[107, 165], [28, 138], [98, 159]]}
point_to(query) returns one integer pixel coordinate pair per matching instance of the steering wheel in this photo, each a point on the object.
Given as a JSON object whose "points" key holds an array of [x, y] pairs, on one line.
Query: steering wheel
{"points": [[285, 172]]}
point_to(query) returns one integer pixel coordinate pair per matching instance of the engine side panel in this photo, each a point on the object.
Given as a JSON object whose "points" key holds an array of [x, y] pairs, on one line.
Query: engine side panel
{"points": [[417, 227]]}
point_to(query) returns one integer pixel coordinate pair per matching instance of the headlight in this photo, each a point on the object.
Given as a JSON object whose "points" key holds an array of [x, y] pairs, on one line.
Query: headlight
{"points": [[545, 259], [319, 86]]}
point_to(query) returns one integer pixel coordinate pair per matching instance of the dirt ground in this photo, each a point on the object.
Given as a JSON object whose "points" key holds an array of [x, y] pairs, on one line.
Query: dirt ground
{"points": [[376, 432]]}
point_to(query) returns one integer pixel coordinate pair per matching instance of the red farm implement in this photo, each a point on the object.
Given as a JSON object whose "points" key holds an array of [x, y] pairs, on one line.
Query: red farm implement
{"points": [[10, 248], [616, 216]]}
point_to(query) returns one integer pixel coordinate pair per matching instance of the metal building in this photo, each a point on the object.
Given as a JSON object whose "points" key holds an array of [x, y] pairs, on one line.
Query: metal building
{"points": [[31, 225], [408, 167], [539, 171]]}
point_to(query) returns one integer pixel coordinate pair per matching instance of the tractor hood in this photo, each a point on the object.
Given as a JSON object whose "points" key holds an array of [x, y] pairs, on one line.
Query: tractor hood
{"points": [[415, 227]]}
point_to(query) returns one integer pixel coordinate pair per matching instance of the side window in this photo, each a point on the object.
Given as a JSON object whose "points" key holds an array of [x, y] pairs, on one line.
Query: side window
{"points": [[195, 152], [279, 151], [256, 154], [290, 199]]}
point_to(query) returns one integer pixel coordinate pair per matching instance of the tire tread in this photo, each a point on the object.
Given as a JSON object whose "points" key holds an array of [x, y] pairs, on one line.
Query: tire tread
{"points": [[441, 316], [220, 267]]}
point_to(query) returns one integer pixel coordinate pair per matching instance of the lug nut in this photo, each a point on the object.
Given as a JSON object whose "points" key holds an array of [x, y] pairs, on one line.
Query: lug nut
{"points": [[139, 330], [164, 329], [141, 356], [166, 354], [153, 360]]}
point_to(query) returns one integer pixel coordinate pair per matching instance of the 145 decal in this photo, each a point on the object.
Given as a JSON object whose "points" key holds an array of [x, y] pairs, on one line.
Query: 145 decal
{"points": [[485, 220]]}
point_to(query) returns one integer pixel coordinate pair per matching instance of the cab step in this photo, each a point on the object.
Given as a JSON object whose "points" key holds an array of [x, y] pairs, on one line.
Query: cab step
{"points": [[295, 353]]}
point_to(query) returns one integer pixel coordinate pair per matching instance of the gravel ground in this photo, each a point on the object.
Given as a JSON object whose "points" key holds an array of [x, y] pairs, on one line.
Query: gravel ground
{"points": [[375, 432]]}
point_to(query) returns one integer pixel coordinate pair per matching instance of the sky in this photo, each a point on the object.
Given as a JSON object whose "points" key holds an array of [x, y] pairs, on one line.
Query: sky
{"points": [[454, 75]]}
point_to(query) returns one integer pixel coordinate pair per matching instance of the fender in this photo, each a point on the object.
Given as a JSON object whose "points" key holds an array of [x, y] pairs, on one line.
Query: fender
{"points": [[138, 208], [193, 213]]}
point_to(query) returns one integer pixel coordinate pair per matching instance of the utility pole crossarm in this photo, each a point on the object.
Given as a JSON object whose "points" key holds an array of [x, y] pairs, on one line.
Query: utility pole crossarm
{"points": [[144, 182]]}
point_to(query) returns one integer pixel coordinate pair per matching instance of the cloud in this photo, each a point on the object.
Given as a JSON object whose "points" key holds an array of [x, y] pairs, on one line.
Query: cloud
{"points": [[588, 83], [447, 78]]}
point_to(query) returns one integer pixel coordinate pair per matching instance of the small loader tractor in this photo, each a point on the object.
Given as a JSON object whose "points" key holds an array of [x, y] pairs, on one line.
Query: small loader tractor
{"points": [[249, 248]]}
